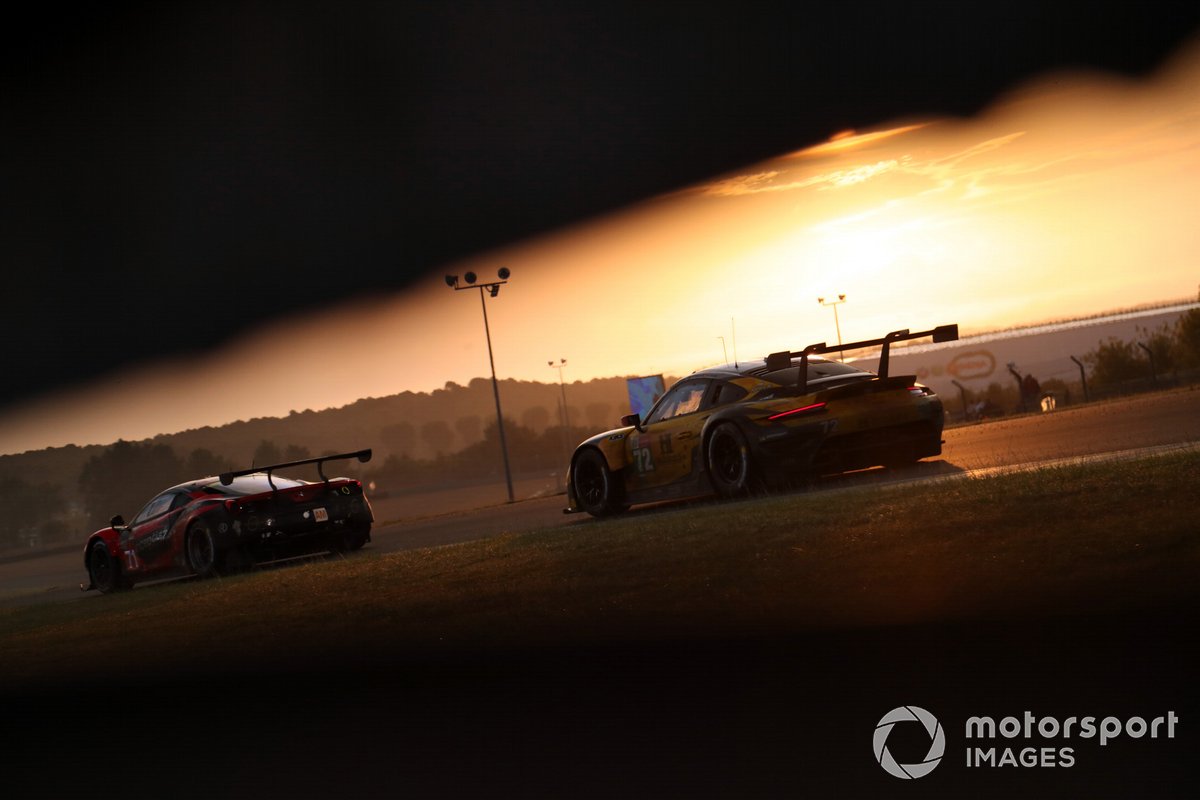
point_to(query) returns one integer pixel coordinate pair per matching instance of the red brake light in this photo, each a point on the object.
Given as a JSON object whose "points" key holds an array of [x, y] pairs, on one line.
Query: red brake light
{"points": [[795, 412]]}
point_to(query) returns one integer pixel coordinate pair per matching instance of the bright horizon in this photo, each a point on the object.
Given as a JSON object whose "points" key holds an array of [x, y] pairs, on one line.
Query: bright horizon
{"points": [[1070, 196]]}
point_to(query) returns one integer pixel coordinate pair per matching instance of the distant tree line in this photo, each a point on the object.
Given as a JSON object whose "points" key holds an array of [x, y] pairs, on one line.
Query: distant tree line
{"points": [[122, 478], [529, 452], [24, 517], [1155, 355], [438, 437]]}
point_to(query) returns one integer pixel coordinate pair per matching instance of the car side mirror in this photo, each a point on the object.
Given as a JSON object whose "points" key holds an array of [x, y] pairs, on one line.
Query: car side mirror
{"points": [[117, 521], [633, 419]]}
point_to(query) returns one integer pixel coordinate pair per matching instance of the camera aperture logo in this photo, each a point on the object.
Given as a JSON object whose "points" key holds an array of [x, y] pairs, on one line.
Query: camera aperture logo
{"points": [[937, 742]]}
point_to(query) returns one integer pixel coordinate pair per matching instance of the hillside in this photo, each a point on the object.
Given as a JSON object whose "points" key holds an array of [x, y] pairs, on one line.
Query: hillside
{"points": [[417, 425]]}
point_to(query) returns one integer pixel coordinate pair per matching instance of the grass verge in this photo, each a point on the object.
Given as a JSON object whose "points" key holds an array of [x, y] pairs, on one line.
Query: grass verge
{"points": [[1097, 540]]}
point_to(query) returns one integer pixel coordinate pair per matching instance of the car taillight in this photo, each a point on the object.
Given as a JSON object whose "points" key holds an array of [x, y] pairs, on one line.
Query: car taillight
{"points": [[814, 408], [919, 391]]}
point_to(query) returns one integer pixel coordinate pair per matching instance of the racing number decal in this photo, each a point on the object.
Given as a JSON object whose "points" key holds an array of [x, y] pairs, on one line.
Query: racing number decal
{"points": [[643, 461], [131, 560]]}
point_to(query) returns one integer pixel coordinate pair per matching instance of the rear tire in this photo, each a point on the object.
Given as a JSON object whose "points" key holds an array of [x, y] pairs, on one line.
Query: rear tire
{"points": [[596, 487], [352, 540], [202, 554], [105, 570], [730, 465], [908, 450]]}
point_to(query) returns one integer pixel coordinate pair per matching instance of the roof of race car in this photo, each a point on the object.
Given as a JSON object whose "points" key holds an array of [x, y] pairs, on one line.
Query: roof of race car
{"points": [[242, 485], [756, 368]]}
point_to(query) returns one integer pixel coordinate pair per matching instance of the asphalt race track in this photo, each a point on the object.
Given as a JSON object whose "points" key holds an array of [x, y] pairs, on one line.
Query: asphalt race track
{"points": [[771, 716]]}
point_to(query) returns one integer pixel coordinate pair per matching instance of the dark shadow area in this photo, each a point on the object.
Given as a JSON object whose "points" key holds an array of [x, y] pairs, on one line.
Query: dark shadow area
{"points": [[790, 715]]}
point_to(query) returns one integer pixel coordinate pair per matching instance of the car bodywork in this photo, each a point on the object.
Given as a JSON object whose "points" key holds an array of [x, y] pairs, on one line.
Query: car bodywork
{"points": [[221, 523], [764, 423]]}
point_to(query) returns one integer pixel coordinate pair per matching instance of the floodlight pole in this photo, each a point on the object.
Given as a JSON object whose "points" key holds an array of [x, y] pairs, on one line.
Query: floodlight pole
{"points": [[836, 323], [566, 415], [493, 289], [562, 363], [496, 393]]}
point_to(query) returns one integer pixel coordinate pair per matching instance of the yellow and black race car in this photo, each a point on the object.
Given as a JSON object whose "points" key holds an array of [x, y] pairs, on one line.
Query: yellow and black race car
{"points": [[762, 424]]}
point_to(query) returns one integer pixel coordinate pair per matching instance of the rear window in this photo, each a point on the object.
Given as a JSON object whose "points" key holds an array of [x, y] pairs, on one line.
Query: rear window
{"points": [[253, 484], [818, 369]]}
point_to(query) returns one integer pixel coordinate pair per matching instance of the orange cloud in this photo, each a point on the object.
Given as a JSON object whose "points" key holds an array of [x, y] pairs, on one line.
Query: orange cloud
{"points": [[850, 140]]}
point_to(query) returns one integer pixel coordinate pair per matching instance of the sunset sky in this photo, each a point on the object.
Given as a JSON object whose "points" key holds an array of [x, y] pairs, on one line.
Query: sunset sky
{"points": [[1072, 194]]}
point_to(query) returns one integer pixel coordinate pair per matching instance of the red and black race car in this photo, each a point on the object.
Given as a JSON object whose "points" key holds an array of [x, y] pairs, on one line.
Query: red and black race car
{"points": [[217, 524]]}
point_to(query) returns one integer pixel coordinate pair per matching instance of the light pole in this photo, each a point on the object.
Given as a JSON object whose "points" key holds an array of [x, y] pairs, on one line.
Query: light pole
{"points": [[493, 289], [723, 350], [566, 415], [562, 362], [836, 324]]}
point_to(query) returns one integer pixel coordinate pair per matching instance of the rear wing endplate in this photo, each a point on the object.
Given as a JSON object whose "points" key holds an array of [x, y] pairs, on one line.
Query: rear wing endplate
{"points": [[362, 455], [783, 359]]}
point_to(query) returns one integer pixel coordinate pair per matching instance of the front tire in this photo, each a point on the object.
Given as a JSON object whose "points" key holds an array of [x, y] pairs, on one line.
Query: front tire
{"points": [[730, 466], [202, 554], [105, 570], [596, 487]]}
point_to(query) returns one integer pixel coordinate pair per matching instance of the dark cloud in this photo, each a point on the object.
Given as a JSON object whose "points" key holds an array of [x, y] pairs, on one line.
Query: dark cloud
{"points": [[175, 173]]}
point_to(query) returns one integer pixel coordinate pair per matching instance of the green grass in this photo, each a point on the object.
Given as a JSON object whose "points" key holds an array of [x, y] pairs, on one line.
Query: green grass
{"points": [[1095, 539]]}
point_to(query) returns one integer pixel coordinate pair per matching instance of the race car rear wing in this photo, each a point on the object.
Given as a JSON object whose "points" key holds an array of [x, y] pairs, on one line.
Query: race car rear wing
{"points": [[362, 455], [783, 359]]}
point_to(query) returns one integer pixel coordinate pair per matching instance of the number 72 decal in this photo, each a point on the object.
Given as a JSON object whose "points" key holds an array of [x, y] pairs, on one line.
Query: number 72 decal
{"points": [[643, 461]]}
